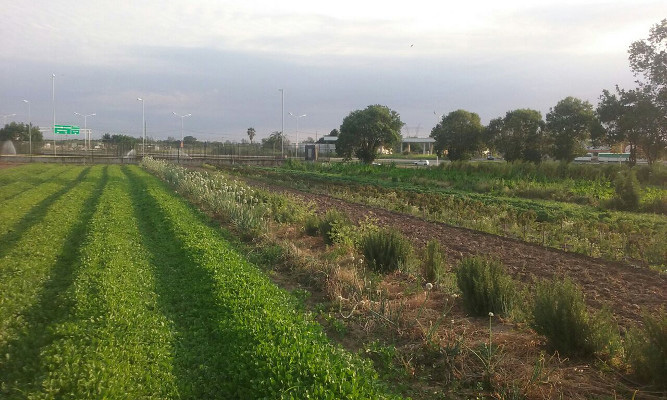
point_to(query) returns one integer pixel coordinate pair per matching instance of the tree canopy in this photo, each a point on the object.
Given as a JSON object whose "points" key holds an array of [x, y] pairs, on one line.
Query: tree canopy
{"points": [[363, 132], [459, 133], [19, 131], [569, 123], [251, 134], [639, 116], [519, 135], [275, 141]]}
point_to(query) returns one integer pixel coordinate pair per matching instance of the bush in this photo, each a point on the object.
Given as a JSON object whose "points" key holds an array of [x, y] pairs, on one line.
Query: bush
{"points": [[485, 286], [434, 263], [328, 223], [627, 191], [560, 314], [311, 225], [647, 349], [385, 250]]}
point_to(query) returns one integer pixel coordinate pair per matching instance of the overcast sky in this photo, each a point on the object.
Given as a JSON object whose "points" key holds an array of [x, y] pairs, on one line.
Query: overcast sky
{"points": [[225, 61]]}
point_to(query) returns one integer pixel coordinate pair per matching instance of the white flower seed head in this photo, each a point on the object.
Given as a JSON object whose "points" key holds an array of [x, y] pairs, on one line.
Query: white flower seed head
{"points": [[429, 286], [490, 314], [340, 298]]}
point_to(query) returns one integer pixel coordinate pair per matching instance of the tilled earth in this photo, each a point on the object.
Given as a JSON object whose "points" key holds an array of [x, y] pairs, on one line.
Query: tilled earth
{"points": [[626, 289]]}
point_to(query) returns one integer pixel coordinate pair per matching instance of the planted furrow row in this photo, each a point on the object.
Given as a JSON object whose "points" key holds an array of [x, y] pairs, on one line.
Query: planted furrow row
{"points": [[31, 206], [35, 270], [11, 175], [20, 183], [238, 335], [115, 343]]}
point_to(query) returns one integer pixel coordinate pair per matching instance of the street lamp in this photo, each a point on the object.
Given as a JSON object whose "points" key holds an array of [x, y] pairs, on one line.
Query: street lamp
{"points": [[143, 126], [29, 127], [181, 117], [282, 122], [85, 125], [53, 103], [297, 131]]}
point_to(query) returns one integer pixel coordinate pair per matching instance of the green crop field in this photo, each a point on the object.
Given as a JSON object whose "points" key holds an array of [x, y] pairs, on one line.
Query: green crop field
{"points": [[113, 286]]}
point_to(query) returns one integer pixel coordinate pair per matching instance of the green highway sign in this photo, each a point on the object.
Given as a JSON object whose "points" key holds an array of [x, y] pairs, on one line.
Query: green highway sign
{"points": [[66, 130]]}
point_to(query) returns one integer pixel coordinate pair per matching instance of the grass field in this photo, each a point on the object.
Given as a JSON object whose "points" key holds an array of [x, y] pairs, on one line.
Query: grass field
{"points": [[112, 286]]}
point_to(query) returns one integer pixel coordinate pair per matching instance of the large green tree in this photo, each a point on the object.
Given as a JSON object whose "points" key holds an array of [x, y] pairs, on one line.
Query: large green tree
{"points": [[519, 135], [569, 123], [648, 61], [363, 132], [633, 117], [638, 116], [460, 133], [19, 132]]}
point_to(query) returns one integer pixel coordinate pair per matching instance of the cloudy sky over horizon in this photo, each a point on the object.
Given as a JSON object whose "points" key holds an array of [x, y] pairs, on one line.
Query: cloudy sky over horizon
{"points": [[225, 61]]}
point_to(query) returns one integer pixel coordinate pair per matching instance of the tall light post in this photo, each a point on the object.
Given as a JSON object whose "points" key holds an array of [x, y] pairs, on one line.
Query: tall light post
{"points": [[29, 127], [53, 104], [282, 122], [297, 131], [143, 126], [85, 124], [182, 117]]}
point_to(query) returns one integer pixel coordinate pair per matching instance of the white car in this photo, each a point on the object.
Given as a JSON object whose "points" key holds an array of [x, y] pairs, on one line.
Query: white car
{"points": [[421, 162]]}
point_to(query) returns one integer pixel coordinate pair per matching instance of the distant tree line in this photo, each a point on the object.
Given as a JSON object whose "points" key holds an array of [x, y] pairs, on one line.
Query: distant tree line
{"points": [[637, 117]]}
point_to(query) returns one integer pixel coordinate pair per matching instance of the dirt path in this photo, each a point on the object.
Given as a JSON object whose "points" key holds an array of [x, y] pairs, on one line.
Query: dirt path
{"points": [[627, 290]]}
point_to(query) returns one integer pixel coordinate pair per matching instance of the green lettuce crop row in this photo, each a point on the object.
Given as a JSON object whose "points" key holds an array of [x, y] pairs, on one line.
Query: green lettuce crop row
{"points": [[114, 342], [249, 339], [35, 268]]}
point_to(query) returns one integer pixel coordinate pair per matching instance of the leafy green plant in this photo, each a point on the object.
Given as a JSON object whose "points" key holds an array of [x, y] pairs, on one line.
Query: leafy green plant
{"points": [[385, 250], [646, 349], [485, 286], [559, 313]]}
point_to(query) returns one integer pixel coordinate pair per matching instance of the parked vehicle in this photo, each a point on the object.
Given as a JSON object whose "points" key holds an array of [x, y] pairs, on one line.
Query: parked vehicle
{"points": [[421, 162]]}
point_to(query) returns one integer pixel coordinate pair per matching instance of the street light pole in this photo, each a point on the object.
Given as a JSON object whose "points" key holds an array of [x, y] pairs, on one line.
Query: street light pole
{"points": [[181, 117], [282, 122], [85, 124], [29, 127], [143, 127], [53, 103], [297, 131]]}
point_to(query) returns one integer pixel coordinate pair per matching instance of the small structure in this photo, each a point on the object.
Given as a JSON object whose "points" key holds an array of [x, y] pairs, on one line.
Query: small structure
{"points": [[427, 143], [311, 152]]}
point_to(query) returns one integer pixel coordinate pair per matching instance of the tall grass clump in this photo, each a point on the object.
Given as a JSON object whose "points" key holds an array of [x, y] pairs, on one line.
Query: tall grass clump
{"points": [[385, 250], [647, 349], [433, 267], [485, 286], [559, 313]]}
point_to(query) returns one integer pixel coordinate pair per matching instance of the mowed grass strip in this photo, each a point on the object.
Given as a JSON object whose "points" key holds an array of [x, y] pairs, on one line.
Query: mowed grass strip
{"points": [[34, 273], [22, 211], [28, 178], [237, 335], [114, 343]]}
